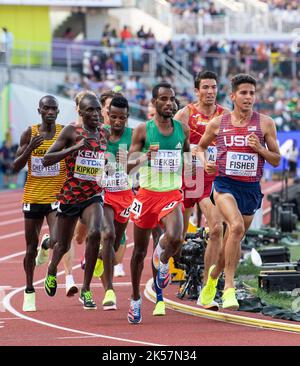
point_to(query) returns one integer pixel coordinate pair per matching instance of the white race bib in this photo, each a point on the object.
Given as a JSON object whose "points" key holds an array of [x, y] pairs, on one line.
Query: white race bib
{"points": [[38, 170], [241, 164], [136, 207], [89, 167], [166, 161], [211, 154], [117, 181]]}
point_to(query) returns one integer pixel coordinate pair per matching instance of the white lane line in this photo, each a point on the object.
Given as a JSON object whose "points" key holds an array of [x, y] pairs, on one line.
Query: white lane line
{"points": [[11, 309], [10, 212], [12, 256], [6, 236], [14, 221]]}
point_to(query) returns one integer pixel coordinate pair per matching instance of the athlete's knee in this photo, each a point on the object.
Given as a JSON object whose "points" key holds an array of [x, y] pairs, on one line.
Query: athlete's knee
{"points": [[237, 228], [139, 254], [175, 240], [108, 235], [216, 232], [31, 251], [94, 235]]}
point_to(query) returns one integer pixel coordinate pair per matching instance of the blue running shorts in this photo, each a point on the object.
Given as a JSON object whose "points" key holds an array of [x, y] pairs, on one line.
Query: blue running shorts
{"points": [[247, 194]]}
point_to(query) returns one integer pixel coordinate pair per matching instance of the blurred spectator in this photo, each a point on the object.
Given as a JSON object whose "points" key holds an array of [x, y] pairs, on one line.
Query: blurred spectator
{"points": [[68, 33], [6, 45], [125, 33], [292, 159], [141, 33], [7, 156]]}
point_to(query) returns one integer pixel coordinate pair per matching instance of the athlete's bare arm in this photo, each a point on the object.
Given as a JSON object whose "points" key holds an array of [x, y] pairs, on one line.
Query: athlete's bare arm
{"points": [[183, 115], [271, 154], [26, 146], [210, 134], [59, 150], [186, 130], [137, 143]]}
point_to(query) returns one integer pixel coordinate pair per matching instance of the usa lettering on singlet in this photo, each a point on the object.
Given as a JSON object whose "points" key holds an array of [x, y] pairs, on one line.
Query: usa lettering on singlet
{"points": [[236, 158]]}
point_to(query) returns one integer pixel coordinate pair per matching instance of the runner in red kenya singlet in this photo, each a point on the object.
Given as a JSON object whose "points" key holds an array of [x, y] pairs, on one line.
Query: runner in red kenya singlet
{"points": [[83, 149]]}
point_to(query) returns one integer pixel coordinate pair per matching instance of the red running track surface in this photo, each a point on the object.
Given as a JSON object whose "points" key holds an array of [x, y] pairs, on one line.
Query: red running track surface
{"points": [[62, 321]]}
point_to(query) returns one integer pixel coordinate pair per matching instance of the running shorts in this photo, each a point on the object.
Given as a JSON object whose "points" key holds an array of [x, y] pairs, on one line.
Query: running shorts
{"points": [[149, 207]]}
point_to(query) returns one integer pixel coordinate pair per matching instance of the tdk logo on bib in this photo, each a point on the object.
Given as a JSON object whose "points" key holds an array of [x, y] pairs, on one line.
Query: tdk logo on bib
{"points": [[236, 140]]}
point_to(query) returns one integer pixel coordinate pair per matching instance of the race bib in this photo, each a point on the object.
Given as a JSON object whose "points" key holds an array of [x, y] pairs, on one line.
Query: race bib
{"points": [[211, 154], [26, 207], [241, 164], [89, 165], [117, 181], [166, 161], [55, 205], [136, 207], [195, 159], [170, 206], [38, 170], [126, 212]]}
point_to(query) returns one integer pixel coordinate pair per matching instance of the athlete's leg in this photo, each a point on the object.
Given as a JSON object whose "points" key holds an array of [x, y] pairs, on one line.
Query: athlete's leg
{"points": [[186, 219], [141, 242], [227, 206], [80, 232], [108, 240], [120, 249], [32, 232], [215, 224], [173, 237], [91, 216]]}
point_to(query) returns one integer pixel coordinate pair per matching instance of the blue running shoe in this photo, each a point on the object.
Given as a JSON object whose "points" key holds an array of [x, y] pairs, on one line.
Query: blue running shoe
{"points": [[134, 315], [163, 277]]}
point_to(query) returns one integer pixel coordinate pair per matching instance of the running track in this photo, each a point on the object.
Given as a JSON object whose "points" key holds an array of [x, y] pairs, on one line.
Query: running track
{"points": [[62, 321]]}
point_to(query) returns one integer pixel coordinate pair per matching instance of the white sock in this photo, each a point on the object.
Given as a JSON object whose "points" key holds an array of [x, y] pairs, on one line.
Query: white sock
{"points": [[69, 278]]}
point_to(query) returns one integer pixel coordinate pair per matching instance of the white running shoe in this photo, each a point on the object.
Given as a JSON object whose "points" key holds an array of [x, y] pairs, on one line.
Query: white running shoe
{"points": [[43, 254], [71, 288], [29, 302], [119, 270]]}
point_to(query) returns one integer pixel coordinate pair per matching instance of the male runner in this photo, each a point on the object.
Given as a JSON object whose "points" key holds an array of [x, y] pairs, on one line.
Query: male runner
{"points": [[241, 138], [163, 141], [41, 187], [196, 116], [83, 148], [118, 195]]}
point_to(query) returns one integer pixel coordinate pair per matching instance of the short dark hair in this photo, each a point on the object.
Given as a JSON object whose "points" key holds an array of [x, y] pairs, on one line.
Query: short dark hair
{"points": [[163, 84], [81, 94], [242, 79], [205, 74], [41, 101], [87, 98], [119, 102], [108, 94]]}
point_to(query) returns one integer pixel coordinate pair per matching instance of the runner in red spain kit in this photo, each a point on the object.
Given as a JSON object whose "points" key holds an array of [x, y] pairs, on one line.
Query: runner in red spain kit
{"points": [[83, 149], [241, 139], [197, 189]]}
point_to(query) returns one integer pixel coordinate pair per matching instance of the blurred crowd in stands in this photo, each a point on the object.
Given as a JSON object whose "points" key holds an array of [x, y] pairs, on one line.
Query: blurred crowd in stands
{"points": [[124, 65], [189, 8]]}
